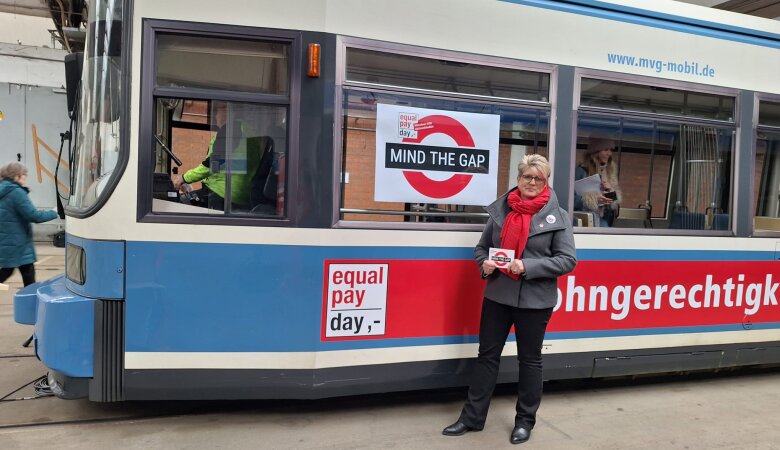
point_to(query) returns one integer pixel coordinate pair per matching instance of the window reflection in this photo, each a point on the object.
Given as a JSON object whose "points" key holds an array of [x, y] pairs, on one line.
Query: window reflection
{"points": [[201, 62], [767, 176], [232, 157], [769, 114], [97, 134], [446, 76], [653, 99], [767, 168], [666, 174], [522, 130]]}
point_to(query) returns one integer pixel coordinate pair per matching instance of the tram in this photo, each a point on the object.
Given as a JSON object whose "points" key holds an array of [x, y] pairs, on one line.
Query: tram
{"points": [[280, 199]]}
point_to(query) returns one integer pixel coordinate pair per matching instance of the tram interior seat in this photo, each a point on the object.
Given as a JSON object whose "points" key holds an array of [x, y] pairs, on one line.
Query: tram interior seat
{"points": [[584, 219], [720, 222], [162, 187], [685, 220], [766, 223], [262, 196], [633, 218]]}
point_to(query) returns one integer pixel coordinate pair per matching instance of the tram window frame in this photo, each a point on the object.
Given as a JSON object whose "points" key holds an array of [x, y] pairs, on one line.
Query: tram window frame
{"points": [[150, 92], [676, 98], [343, 85], [768, 128], [724, 127]]}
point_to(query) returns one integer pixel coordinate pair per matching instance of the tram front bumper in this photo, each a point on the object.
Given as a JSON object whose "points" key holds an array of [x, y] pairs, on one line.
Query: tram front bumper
{"points": [[26, 304], [64, 326]]}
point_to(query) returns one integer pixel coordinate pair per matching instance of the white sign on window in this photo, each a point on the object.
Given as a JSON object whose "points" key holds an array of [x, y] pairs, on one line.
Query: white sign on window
{"points": [[434, 156]]}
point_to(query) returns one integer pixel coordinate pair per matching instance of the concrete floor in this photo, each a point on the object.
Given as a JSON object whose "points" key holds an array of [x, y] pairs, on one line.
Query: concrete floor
{"points": [[724, 411]]}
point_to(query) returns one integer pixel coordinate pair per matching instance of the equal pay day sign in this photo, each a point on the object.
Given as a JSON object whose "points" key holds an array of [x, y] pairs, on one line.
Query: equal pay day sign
{"points": [[355, 299], [433, 156]]}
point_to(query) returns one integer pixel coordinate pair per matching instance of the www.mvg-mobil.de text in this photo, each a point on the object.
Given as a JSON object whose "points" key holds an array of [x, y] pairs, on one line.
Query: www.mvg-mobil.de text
{"points": [[685, 67]]}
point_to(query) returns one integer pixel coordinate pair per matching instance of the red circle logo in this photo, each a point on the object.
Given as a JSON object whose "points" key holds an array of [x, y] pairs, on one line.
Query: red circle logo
{"points": [[500, 263], [453, 185]]}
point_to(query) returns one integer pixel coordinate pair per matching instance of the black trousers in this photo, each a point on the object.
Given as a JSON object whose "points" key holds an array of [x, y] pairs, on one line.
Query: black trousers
{"points": [[494, 326], [211, 200], [27, 271], [208, 199]]}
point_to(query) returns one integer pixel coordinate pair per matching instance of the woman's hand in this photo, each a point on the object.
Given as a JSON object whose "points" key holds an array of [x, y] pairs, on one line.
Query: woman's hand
{"points": [[605, 186], [603, 200], [488, 266], [517, 267]]}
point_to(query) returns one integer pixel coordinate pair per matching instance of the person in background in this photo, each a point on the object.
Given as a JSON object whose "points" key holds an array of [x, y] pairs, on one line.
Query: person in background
{"points": [[16, 214], [597, 160], [243, 151], [529, 221], [212, 192]]}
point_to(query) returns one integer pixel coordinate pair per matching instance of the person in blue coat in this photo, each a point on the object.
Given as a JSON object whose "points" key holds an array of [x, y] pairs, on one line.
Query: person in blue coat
{"points": [[16, 214]]}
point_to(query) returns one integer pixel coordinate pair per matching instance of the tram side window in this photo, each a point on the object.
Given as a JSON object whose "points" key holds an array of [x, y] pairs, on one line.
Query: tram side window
{"points": [[767, 169], [237, 156], [232, 153], [522, 129], [652, 172]]}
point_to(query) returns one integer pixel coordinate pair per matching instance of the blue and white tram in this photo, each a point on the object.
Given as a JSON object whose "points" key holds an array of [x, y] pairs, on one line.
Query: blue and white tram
{"points": [[334, 264]]}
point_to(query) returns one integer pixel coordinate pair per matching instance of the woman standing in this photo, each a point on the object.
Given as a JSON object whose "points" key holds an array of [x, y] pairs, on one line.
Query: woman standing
{"points": [[529, 221], [605, 203], [16, 214]]}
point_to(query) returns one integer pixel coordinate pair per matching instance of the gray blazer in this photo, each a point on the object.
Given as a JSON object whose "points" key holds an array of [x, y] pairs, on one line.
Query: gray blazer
{"points": [[548, 254]]}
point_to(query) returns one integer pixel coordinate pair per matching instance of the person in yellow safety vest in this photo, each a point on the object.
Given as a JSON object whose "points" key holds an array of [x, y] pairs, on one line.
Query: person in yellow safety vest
{"points": [[245, 154]]}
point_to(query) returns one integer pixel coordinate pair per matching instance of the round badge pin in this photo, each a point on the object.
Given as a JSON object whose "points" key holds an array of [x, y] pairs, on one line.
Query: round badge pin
{"points": [[550, 219]]}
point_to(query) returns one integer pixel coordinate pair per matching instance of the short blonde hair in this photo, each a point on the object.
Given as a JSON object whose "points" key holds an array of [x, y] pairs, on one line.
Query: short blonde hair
{"points": [[13, 170], [534, 161]]}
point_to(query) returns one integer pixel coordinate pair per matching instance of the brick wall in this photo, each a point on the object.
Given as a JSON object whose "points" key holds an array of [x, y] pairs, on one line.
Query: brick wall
{"points": [[191, 146]]}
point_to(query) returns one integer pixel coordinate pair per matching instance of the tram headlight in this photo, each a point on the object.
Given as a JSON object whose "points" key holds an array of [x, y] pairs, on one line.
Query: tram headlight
{"points": [[75, 264]]}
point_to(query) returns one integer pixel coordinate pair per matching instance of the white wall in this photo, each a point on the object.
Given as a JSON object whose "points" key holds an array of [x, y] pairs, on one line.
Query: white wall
{"points": [[26, 30], [31, 77]]}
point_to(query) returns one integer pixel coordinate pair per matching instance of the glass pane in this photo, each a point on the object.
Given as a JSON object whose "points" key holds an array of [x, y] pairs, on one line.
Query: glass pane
{"points": [[192, 111], [236, 168], [239, 65], [447, 76], [188, 145], [521, 131], [97, 143], [767, 176], [664, 174], [769, 114], [635, 97]]}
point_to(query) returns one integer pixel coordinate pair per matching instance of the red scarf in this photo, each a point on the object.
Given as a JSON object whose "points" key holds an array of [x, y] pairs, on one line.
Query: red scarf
{"points": [[514, 235]]}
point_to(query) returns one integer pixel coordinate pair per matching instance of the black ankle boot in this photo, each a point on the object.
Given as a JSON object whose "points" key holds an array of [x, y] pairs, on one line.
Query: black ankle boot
{"points": [[520, 434], [456, 429]]}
